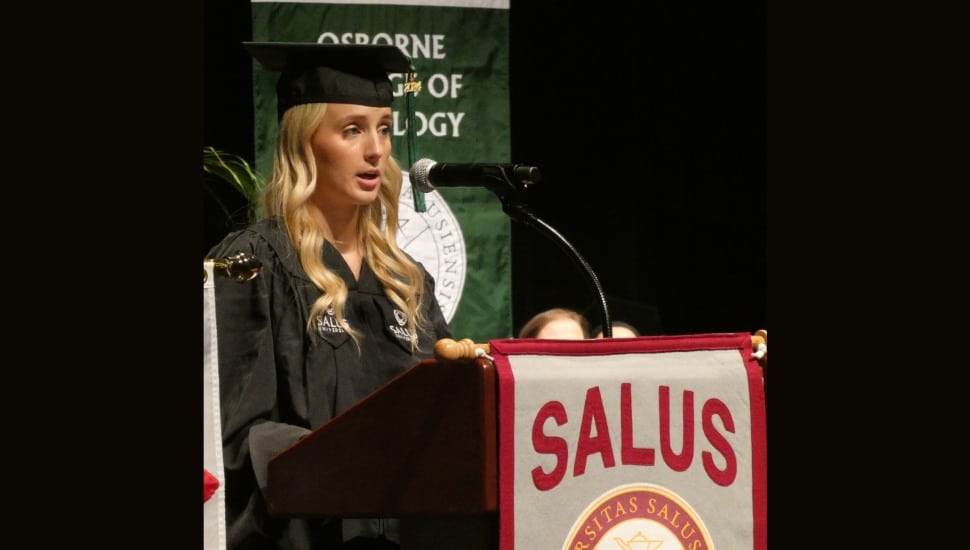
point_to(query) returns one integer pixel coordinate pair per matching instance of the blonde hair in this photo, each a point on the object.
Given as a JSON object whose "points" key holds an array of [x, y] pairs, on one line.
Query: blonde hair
{"points": [[287, 196]]}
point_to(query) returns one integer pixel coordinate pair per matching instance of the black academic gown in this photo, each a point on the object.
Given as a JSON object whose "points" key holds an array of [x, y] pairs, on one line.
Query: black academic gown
{"points": [[277, 382]]}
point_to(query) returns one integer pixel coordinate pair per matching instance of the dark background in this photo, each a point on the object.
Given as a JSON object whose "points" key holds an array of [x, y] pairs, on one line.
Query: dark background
{"points": [[649, 132]]}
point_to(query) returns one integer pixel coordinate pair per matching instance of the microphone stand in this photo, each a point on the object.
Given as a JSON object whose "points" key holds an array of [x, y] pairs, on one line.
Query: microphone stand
{"points": [[514, 205]]}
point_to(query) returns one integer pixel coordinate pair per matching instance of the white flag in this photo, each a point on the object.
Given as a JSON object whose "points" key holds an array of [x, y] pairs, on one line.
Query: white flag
{"points": [[213, 506]]}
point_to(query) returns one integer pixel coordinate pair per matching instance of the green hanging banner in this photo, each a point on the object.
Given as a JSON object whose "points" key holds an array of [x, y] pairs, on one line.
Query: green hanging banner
{"points": [[460, 53]]}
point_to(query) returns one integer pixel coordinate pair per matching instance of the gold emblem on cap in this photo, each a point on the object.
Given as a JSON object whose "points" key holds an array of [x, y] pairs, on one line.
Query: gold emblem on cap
{"points": [[412, 85]]}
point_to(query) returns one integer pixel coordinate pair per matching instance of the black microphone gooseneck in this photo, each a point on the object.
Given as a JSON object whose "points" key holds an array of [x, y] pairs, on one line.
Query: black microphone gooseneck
{"points": [[509, 182], [518, 211]]}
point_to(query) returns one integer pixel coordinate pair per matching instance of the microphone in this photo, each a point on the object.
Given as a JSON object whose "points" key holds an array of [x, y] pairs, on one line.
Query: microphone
{"points": [[428, 175]]}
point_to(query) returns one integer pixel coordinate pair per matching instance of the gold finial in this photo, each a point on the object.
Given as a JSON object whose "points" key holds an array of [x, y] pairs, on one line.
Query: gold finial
{"points": [[240, 267]]}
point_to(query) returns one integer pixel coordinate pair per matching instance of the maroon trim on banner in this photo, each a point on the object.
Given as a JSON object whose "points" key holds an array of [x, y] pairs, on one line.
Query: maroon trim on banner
{"points": [[610, 346], [759, 447], [506, 456]]}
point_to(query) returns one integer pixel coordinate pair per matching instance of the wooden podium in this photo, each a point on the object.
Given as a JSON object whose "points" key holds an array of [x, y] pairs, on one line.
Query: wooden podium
{"points": [[423, 448]]}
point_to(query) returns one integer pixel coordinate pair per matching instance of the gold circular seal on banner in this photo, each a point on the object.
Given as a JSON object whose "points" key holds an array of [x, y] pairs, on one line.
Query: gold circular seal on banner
{"points": [[434, 238], [638, 516]]}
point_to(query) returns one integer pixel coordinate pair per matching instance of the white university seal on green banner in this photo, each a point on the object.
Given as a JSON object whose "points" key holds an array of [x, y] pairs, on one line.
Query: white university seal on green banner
{"points": [[434, 238]]}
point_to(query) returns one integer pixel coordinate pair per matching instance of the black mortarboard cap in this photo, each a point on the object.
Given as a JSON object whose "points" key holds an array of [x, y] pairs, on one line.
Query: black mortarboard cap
{"points": [[340, 73], [330, 73]]}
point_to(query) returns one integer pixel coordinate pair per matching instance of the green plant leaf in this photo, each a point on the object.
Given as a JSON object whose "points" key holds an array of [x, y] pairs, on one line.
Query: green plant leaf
{"points": [[237, 172]]}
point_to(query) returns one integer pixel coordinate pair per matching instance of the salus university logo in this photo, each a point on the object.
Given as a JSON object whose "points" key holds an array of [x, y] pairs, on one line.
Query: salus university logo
{"points": [[327, 324], [434, 238], [638, 516]]}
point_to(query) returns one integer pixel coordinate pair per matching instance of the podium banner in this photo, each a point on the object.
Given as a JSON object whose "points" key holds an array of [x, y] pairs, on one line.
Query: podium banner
{"points": [[649, 443]]}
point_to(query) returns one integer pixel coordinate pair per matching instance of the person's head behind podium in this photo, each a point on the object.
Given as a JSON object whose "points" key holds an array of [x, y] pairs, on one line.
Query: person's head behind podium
{"points": [[556, 323], [620, 330]]}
